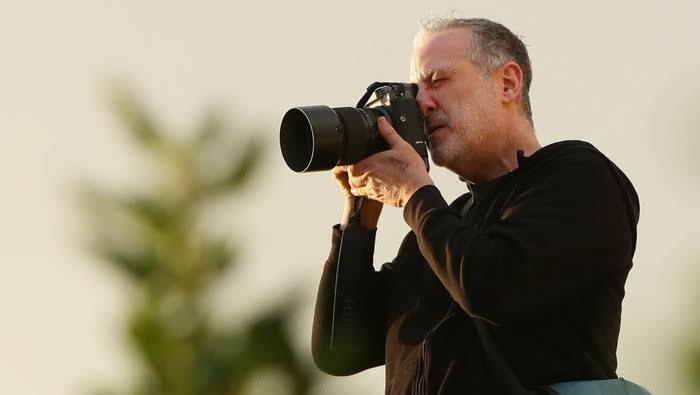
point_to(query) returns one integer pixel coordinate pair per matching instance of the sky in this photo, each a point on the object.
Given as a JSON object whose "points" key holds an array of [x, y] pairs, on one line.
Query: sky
{"points": [[622, 75]]}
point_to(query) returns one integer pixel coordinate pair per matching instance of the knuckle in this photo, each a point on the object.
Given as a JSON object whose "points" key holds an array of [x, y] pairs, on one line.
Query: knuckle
{"points": [[355, 170], [356, 182]]}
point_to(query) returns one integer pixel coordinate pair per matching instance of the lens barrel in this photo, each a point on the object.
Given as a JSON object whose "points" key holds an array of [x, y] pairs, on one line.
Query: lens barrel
{"points": [[310, 138], [319, 137]]}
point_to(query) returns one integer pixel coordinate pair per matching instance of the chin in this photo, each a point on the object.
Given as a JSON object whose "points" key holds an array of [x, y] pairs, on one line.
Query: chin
{"points": [[443, 150], [450, 159], [438, 159]]}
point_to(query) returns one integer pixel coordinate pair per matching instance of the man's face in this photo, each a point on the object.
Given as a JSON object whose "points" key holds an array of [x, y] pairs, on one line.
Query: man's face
{"points": [[458, 101]]}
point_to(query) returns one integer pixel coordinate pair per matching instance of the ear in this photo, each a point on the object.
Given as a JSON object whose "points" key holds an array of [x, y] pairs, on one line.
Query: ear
{"points": [[511, 81]]}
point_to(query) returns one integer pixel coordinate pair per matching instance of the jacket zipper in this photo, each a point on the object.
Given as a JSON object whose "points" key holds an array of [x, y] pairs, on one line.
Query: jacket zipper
{"points": [[419, 372], [420, 385]]}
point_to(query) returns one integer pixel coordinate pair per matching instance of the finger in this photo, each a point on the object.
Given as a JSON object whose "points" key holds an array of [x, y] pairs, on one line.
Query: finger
{"points": [[359, 191], [341, 173], [361, 185], [391, 136], [365, 191], [342, 178], [357, 182], [339, 170], [357, 169]]}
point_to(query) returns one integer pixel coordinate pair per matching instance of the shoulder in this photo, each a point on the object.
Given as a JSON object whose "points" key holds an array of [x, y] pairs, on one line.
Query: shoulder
{"points": [[571, 156], [577, 168], [460, 201], [565, 152]]}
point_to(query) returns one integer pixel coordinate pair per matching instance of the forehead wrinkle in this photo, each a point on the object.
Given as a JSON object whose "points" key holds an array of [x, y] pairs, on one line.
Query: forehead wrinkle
{"points": [[432, 47], [422, 71], [426, 73]]}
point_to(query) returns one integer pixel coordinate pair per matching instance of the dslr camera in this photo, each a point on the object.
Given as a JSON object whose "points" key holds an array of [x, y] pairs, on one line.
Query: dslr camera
{"points": [[319, 137]]}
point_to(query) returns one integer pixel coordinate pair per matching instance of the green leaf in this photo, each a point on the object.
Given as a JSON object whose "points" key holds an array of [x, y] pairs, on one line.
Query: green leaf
{"points": [[149, 211], [221, 363], [241, 168], [217, 256], [210, 130], [138, 265], [150, 338], [694, 365], [134, 116]]}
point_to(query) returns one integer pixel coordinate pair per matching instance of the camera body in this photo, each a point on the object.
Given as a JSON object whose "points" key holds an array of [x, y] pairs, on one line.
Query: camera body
{"points": [[319, 137]]}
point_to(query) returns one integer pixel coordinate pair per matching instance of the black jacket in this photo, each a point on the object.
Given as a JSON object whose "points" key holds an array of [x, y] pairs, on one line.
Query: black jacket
{"points": [[541, 257]]}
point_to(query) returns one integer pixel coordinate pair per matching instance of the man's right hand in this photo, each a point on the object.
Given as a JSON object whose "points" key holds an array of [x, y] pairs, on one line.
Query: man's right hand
{"points": [[371, 209]]}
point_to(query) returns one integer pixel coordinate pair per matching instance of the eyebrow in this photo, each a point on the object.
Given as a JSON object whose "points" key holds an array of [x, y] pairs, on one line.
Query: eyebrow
{"points": [[430, 74], [424, 77]]}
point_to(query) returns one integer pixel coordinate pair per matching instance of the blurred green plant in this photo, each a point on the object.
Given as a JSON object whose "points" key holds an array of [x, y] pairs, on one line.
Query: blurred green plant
{"points": [[694, 363], [155, 240], [692, 355]]}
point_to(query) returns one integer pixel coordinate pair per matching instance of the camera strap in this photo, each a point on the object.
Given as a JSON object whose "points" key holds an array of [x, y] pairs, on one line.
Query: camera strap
{"points": [[354, 217], [357, 201], [370, 90]]}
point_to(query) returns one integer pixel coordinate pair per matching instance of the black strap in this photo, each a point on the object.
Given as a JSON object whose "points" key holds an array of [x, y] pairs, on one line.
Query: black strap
{"points": [[370, 90], [354, 217]]}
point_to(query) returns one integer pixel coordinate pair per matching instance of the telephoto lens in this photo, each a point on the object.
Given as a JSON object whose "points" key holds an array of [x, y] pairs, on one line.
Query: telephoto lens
{"points": [[319, 137]]}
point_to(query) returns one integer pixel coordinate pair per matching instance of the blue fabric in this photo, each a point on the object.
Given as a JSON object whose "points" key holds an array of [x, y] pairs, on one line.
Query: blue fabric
{"points": [[600, 387]]}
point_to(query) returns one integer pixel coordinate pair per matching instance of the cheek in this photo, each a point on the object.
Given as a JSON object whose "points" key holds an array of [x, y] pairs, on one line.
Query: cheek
{"points": [[480, 104], [453, 106], [463, 98]]}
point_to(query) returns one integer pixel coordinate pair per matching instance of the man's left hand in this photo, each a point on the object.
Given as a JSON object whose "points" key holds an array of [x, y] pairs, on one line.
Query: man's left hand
{"points": [[390, 176]]}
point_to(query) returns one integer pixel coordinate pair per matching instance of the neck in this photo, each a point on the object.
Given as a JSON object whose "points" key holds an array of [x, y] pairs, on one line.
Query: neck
{"points": [[503, 158]]}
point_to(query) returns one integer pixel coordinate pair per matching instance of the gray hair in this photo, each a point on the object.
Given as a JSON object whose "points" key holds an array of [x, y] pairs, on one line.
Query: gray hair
{"points": [[492, 46]]}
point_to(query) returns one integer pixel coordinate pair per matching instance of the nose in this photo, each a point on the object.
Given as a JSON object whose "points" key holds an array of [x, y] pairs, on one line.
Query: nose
{"points": [[425, 101]]}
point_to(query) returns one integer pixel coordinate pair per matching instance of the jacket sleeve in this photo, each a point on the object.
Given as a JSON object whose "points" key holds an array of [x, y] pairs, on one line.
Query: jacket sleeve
{"points": [[567, 233], [349, 325]]}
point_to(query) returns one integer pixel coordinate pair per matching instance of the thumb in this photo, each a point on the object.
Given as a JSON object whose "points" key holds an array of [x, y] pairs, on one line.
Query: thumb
{"points": [[390, 135]]}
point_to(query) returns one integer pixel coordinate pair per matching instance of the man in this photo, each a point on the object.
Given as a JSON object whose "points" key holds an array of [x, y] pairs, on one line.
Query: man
{"points": [[518, 282]]}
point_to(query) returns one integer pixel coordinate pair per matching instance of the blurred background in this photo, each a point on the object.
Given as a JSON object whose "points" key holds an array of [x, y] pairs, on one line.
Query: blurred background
{"points": [[150, 123]]}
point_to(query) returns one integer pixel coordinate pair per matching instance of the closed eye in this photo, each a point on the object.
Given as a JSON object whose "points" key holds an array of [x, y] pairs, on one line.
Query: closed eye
{"points": [[437, 81]]}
